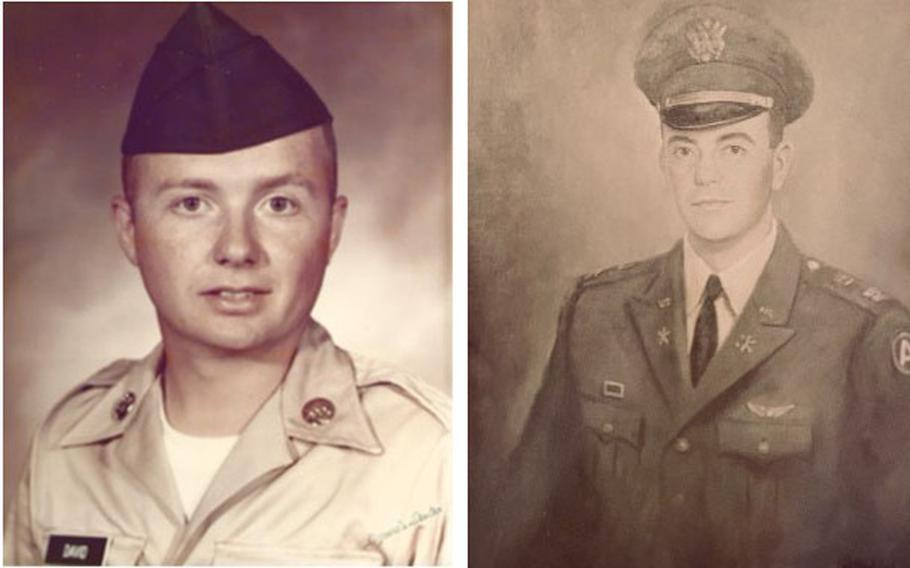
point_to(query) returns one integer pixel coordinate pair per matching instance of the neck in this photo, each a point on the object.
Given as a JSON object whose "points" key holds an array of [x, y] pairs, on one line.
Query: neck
{"points": [[215, 392], [720, 255]]}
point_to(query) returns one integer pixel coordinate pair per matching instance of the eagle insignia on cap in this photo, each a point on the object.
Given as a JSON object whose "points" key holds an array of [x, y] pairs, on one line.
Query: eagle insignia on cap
{"points": [[706, 39]]}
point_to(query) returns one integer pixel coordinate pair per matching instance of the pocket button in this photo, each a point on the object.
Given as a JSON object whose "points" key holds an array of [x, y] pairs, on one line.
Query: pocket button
{"points": [[681, 445], [763, 446], [607, 428]]}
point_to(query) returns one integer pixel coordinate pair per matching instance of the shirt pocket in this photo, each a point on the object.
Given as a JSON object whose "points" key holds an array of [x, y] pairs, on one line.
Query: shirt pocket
{"points": [[237, 554], [763, 442], [617, 432], [119, 549]]}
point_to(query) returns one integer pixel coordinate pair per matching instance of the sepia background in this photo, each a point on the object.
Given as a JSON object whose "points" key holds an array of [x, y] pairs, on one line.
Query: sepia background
{"points": [[564, 177], [73, 302]]}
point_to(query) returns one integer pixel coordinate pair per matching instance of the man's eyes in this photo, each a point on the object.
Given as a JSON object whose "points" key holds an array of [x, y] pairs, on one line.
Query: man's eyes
{"points": [[682, 152], [274, 205], [281, 205], [735, 150], [190, 205]]}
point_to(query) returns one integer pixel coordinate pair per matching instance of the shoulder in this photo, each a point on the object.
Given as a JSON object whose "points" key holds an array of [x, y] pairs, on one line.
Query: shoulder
{"points": [[885, 340], [847, 288], [82, 400], [621, 273], [392, 396], [611, 286]]}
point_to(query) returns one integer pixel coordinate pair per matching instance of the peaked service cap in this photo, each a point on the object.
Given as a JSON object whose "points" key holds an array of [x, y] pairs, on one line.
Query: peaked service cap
{"points": [[709, 65], [212, 87]]}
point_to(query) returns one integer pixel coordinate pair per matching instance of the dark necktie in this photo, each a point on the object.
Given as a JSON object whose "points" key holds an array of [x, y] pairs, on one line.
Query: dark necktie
{"points": [[704, 338]]}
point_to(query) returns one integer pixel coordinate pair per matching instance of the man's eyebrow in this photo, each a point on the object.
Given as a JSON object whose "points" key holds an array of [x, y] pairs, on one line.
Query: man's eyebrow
{"points": [[734, 135], [188, 183], [680, 138], [284, 180]]}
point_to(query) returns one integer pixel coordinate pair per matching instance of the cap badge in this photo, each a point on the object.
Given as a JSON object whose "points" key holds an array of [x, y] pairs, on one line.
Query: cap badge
{"points": [[706, 39]]}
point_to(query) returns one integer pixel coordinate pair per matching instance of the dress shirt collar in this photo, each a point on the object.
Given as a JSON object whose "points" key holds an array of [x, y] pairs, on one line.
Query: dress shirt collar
{"points": [[737, 280]]}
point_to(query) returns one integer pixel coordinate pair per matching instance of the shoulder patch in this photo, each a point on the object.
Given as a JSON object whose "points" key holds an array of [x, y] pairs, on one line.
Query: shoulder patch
{"points": [[900, 352], [371, 372]]}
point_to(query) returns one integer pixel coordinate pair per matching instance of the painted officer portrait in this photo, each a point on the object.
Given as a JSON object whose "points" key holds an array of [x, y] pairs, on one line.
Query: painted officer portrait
{"points": [[247, 435], [735, 400]]}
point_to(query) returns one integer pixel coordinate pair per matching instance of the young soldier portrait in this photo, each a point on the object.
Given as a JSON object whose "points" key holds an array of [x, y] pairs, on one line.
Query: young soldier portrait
{"points": [[735, 400], [247, 436]]}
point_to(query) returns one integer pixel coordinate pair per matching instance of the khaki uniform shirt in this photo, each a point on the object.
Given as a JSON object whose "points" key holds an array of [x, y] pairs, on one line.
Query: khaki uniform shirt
{"points": [[360, 479], [792, 450]]}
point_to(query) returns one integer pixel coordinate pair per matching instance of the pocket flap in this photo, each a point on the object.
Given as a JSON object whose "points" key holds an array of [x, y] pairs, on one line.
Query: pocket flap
{"points": [[764, 441], [238, 553], [612, 422]]}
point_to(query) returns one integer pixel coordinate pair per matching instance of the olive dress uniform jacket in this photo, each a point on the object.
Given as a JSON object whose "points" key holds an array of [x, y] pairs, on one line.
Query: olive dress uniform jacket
{"points": [[369, 485], [793, 450]]}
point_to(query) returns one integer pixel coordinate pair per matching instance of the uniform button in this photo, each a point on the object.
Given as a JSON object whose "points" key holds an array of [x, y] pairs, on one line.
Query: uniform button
{"points": [[678, 499], [124, 405], [318, 411], [607, 428], [682, 445], [764, 447]]}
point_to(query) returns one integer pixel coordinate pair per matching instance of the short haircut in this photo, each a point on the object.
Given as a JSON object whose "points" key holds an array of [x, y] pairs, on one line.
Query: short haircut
{"points": [[128, 172], [776, 123]]}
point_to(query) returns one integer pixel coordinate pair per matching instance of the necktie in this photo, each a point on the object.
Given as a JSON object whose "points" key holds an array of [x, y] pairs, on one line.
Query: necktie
{"points": [[704, 338]]}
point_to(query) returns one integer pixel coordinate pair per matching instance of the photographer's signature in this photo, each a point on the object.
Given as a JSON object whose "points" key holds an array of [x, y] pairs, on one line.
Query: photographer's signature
{"points": [[416, 518]]}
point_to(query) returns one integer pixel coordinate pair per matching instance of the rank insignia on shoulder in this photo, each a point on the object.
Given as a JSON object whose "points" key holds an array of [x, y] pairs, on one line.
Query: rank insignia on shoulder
{"points": [[900, 351], [874, 294], [612, 389], [70, 550], [844, 279]]}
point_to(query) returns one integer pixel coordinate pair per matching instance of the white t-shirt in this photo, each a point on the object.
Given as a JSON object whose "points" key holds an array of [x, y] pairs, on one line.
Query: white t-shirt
{"points": [[194, 460]]}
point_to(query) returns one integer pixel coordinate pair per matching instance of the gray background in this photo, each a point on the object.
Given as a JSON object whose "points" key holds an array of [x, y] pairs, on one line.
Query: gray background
{"points": [[564, 176], [73, 302]]}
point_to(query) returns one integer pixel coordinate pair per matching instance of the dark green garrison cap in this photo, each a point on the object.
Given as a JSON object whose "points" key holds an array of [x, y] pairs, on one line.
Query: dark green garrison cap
{"points": [[709, 65], [212, 87]]}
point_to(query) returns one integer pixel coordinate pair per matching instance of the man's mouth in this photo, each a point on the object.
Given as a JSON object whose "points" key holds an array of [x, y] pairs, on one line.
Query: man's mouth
{"points": [[236, 294], [711, 203]]}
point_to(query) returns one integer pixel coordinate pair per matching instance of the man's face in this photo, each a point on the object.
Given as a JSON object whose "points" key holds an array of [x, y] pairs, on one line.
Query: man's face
{"points": [[722, 178], [233, 247]]}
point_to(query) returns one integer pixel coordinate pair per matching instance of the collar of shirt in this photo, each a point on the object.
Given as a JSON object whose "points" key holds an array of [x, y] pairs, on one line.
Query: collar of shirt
{"points": [[321, 376], [737, 280]]}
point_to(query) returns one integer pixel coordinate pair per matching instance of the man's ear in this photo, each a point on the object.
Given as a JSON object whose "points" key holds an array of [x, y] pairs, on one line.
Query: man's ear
{"points": [[122, 212], [339, 211], [781, 161]]}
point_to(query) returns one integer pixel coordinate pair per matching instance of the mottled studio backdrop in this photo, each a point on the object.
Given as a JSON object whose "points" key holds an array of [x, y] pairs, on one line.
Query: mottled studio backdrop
{"points": [[564, 177], [74, 303]]}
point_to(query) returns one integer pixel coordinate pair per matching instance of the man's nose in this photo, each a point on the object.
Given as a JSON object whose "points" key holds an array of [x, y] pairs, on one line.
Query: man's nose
{"points": [[705, 169], [238, 244]]}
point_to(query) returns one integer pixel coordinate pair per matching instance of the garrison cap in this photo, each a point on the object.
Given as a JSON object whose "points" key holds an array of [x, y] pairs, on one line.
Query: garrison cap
{"points": [[709, 65], [212, 87]]}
